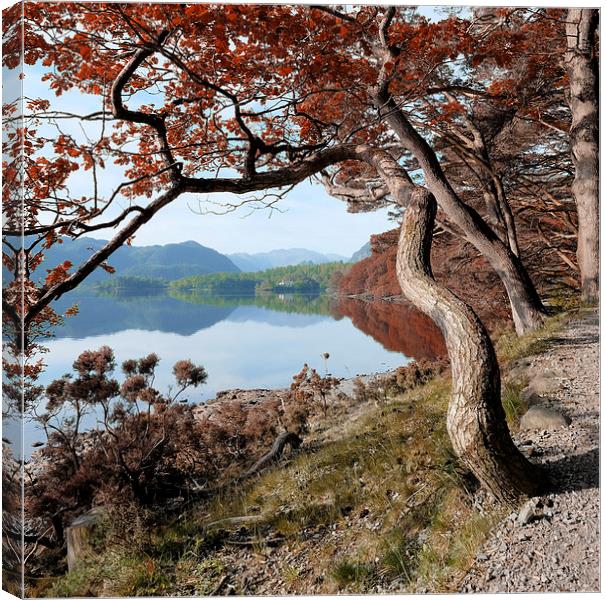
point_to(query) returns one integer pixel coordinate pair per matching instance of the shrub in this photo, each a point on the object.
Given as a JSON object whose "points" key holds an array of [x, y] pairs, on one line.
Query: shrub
{"points": [[419, 372]]}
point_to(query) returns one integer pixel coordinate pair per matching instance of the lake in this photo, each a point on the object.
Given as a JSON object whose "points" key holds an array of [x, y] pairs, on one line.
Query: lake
{"points": [[243, 342]]}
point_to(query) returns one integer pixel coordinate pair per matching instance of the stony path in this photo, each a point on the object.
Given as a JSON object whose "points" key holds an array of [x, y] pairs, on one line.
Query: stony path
{"points": [[552, 544]]}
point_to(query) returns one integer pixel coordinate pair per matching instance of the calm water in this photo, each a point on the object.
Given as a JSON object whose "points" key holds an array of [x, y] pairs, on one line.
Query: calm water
{"points": [[242, 342]]}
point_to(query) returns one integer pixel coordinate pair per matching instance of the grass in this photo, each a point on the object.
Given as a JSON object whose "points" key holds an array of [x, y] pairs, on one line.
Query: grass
{"points": [[354, 576], [113, 574], [370, 494], [513, 403], [394, 464], [510, 346]]}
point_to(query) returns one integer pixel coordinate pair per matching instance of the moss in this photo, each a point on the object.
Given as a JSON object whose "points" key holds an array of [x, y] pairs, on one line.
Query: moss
{"points": [[80, 582], [199, 578], [113, 574]]}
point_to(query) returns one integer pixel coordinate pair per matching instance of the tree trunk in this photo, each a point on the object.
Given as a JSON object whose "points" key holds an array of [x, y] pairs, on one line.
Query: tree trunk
{"points": [[582, 66], [526, 306], [476, 419]]}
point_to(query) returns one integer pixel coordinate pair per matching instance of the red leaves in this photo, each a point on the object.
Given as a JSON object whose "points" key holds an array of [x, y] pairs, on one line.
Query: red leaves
{"points": [[58, 274], [39, 104], [107, 267], [72, 310], [502, 87]]}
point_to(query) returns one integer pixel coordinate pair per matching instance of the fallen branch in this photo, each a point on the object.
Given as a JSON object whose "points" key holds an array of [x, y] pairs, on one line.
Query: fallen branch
{"points": [[219, 585], [284, 439]]}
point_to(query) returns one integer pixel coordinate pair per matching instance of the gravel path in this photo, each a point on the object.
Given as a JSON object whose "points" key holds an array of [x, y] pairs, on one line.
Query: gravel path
{"points": [[552, 544]]}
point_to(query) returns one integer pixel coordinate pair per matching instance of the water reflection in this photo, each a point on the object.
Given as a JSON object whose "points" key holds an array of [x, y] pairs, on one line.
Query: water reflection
{"points": [[397, 327], [244, 342]]}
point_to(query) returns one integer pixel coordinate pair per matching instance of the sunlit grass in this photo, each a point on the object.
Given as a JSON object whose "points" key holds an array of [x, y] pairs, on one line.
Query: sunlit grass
{"points": [[510, 346]]}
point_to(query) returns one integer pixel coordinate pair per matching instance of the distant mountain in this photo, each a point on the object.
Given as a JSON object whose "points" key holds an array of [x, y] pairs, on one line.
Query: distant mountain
{"points": [[250, 263], [171, 261], [361, 254]]}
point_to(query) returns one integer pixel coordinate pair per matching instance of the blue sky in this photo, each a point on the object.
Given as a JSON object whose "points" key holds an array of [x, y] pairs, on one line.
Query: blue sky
{"points": [[309, 218]]}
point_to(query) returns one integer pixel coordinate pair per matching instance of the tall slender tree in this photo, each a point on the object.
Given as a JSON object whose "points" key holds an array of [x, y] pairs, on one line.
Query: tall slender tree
{"points": [[582, 64]]}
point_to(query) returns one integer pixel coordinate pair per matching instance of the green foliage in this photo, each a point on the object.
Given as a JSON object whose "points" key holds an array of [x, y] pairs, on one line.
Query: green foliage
{"points": [[309, 278], [513, 403]]}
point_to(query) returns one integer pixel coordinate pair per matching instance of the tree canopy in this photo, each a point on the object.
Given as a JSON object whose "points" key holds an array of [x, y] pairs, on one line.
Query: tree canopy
{"points": [[241, 98]]}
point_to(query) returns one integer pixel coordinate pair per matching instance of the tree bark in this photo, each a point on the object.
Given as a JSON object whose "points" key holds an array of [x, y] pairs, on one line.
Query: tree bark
{"points": [[582, 67], [527, 309], [476, 420]]}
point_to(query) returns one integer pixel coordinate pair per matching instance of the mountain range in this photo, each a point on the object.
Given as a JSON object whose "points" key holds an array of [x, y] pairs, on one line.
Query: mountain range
{"points": [[361, 254], [174, 261], [170, 261], [250, 263]]}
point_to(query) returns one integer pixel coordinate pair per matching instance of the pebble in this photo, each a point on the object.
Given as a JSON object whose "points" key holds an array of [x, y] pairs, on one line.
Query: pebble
{"points": [[551, 543]]}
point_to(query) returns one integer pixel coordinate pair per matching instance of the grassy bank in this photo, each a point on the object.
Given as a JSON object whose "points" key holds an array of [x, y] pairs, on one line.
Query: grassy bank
{"points": [[375, 501]]}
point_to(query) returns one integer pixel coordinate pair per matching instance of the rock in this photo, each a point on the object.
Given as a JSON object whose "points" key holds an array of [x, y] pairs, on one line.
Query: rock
{"points": [[539, 417], [552, 542], [530, 396], [543, 383], [527, 513]]}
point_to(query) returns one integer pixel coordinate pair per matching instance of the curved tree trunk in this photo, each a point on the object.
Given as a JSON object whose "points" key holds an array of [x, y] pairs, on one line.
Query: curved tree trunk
{"points": [[582, 66], [527, 309], [476, 419]]}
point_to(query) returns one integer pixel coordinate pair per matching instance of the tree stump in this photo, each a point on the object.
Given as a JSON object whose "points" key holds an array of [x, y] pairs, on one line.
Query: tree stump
{"points": [[78, 536]]}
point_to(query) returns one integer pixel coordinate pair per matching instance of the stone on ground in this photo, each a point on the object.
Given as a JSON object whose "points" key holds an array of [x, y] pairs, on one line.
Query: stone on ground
{"points": [[539, 417]]}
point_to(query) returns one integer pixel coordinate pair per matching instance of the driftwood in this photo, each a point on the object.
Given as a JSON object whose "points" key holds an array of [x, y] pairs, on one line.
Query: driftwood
{"points": [[284, 439], [274, 541], [220, 585]]}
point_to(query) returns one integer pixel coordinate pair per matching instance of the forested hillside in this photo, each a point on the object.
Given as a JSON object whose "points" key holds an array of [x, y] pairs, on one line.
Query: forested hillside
{"points": [[295, 278]]}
